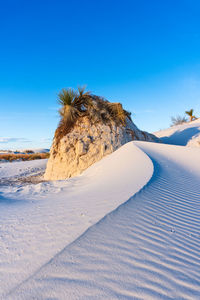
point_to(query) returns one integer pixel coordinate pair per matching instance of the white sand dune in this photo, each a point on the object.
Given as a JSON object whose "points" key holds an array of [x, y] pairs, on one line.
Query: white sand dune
{"points": [[38, 221], [186, 134], [18, 168], [148, 248]]}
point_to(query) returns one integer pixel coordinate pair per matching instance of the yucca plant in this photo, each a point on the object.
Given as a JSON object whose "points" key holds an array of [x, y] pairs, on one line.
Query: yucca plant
{"points": [[82, 91], [70, 105], [190, 114]]}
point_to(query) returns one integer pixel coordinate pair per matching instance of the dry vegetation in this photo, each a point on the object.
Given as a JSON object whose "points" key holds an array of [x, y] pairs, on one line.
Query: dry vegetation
{"points": [[78, 104], [23, 157], [178, 120]]}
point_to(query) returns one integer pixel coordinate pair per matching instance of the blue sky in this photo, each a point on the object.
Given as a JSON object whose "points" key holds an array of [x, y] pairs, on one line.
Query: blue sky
{"points": [[145, 54]]}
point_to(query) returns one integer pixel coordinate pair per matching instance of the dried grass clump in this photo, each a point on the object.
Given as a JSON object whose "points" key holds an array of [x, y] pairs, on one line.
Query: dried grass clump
{"points": [[178, 120], [13, 157], [62, 129], [118, 114]]}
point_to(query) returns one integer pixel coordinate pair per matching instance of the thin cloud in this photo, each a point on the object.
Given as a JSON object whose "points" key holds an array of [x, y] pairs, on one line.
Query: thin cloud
{"points": [[4, 140]]}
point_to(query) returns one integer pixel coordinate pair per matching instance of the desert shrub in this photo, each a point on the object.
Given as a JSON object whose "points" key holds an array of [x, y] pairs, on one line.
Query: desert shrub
{"points": [[13, 157], [34, 156], [38, 156], [178, 120], [5, 156]]}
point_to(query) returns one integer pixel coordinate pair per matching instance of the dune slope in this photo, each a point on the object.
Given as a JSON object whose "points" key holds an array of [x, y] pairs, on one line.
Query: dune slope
{"points": [[148, 248], [38, 221], [186, 134]]}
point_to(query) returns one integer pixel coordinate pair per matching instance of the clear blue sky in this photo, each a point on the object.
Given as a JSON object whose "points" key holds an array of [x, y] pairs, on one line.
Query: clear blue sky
{"points": [[145, 54]]}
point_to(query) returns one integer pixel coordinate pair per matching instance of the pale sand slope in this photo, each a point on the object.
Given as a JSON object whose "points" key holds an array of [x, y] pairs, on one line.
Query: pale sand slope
{"points": [[20, 168], [186, 134], [148, 248], [38, 221]]}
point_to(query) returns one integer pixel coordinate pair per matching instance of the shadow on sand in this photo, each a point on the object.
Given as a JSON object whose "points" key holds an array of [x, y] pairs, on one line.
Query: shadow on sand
{"points": [[180, 138], [10, 201]]}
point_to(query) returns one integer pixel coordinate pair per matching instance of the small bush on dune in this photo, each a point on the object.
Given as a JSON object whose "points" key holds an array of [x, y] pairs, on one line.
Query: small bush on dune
{"points": [[178, 120]]}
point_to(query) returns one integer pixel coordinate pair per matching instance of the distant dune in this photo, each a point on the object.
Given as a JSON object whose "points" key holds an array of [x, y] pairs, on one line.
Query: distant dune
{"points": [[186, 134]]}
